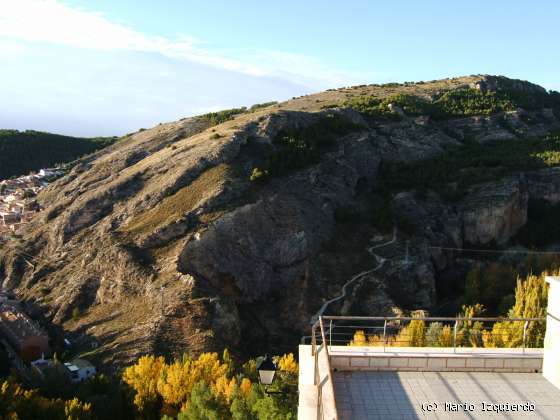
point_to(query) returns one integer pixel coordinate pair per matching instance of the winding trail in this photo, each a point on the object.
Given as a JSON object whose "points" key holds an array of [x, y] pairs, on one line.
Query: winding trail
{"points": [[380, 262]]}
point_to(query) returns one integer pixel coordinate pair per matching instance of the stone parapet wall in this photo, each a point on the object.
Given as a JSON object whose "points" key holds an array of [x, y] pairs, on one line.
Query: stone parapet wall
{"points": [[439, 360], [438, 364]]}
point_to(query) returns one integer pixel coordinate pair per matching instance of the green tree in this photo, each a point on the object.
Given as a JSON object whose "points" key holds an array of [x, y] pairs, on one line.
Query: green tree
{"points": [[203, 405], [472, 286], [531, 298], [433, 334], [269, 407], [239, 408], [24, 151], [471, 331], [417, 333]]}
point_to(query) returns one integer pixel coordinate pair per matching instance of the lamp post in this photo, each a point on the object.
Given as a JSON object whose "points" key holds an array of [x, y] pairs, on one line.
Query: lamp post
{"points": [[266, 369]]}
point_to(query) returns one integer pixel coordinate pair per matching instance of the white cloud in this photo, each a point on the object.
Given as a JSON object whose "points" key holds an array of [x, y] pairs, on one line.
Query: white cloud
{"points": [[51, 22]]}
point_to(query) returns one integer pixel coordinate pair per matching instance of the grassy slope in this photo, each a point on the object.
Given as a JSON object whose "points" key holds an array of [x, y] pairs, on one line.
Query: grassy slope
{"points": [[24, 151]]}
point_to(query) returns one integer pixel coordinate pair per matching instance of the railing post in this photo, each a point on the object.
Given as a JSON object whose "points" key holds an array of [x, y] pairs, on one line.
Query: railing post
{"points": [[525, 326], [323, 338], [384, 334], [455, 337], [330, 333], [313, 339]]}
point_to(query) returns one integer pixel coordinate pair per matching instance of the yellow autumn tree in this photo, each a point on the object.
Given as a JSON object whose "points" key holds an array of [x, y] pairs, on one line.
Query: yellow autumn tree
{"points": [[446, 337], [288, 364], [375, 340], [245, 387], [190, 385], [359, 339], [143, 379], [225, 388], [74, 409], [531, 298], [209, 368], [17, 402], [412, 335], [176, 381], [471, 332], [417, 333]]}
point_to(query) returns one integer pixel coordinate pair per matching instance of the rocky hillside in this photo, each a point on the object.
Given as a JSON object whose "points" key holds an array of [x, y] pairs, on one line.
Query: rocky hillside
{"points": [[232, 229]]}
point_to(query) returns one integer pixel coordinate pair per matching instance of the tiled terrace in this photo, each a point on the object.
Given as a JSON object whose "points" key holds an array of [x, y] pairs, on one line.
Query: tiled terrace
{"points": [[394, 382], [405, 395]]}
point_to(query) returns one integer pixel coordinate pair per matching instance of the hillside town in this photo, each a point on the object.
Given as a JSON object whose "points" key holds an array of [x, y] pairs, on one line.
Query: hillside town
{"points": [[18, 204]]}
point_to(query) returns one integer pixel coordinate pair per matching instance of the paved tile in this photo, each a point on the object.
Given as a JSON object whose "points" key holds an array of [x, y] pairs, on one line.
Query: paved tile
{"points": [[444, 395]]}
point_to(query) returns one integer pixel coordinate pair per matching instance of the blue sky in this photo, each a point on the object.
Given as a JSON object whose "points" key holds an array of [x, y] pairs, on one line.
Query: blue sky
{"points": [[107, 67]]}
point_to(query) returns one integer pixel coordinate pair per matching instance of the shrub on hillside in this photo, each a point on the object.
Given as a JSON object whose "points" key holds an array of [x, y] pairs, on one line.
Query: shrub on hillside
{"points": [[256, 107], [383, 217], [462, 102], [453, 172], [215, 118], [469, 102], [297, 149], [344, 215]]}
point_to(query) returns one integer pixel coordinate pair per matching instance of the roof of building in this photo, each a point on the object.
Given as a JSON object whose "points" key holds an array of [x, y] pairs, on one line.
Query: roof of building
{"points": [[392, 395], [77, 364], [42, 364], [71, 367], [17, 325]]}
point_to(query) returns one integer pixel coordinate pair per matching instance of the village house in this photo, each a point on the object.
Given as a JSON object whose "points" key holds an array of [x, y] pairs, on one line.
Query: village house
{"points": [[18, 205], [29, 340], [80, 370], [8, 218]]}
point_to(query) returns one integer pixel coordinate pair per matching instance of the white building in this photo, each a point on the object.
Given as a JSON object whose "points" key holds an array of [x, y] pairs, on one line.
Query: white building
{"points": [[42, 365], [80, 370]]}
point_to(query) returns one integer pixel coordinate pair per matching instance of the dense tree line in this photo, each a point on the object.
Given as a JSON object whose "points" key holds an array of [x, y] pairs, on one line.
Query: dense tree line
{"points": [[205, 387], [530, 301], [463, 102], [454, 171], [219, 117], [22, 152], [299, 148], [19, 403]]}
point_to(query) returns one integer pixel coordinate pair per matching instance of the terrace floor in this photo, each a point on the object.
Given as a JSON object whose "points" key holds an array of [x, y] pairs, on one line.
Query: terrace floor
{"points": [[405, 395]]}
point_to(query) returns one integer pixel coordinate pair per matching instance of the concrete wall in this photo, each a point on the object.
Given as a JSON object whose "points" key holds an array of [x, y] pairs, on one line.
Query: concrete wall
{"points": [[308, 389], [438, 363], [551, 364]]}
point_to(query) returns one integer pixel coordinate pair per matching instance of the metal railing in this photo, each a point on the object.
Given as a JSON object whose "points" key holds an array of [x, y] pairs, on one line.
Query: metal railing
{"points": [[315, 350], [449, 332]]}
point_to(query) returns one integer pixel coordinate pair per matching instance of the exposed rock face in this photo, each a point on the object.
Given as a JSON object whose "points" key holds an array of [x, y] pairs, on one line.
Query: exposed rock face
{"points": [[165, 245], [545, 185], [495, 211], [265, 245], [489, 83]]}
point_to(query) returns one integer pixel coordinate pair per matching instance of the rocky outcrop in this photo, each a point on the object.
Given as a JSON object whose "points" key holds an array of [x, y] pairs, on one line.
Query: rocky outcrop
{"points": [[265, 246], [544, 185], [494, 212]]}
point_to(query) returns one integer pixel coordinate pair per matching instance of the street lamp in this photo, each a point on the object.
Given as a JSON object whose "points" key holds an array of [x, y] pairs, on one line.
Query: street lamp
{"points": [[267, 370]]}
